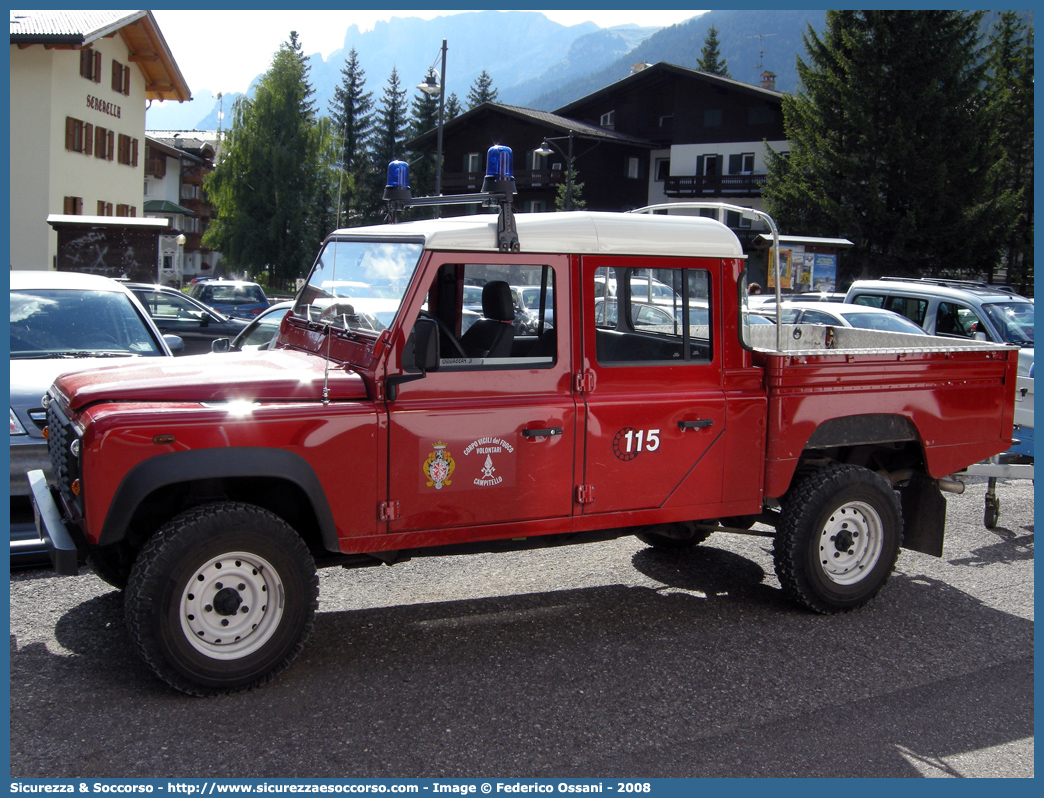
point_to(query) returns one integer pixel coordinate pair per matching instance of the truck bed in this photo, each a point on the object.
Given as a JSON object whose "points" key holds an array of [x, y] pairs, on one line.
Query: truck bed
{"points": [[837, 386]]}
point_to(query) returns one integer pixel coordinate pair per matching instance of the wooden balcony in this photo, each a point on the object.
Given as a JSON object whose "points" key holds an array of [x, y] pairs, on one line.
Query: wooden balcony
{"points": [[747, 185], [156, 167], [468, 182]]}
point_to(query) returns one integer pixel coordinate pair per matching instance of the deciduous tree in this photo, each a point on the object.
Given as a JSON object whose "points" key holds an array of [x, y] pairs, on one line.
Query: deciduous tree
{"points": [[271, 189]]}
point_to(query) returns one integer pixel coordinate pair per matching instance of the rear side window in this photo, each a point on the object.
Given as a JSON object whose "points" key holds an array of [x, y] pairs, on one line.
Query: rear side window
{"points": [[913, 308], [652, 316], [233, 295]]}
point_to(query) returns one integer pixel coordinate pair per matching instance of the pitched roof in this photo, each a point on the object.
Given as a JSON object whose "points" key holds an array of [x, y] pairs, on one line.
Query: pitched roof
{"points": [[555, 122], [166, 206], [77, 29], [661, 71]]}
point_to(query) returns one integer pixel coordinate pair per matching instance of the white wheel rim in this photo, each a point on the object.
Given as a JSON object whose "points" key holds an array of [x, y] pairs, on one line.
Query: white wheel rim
{"points": [[850, 543], [231, 605]]}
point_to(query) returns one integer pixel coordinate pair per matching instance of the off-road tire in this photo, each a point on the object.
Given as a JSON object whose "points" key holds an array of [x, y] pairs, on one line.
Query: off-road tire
{"points": [[838, 538], [111, 565], [221, 599], [688, 536]]}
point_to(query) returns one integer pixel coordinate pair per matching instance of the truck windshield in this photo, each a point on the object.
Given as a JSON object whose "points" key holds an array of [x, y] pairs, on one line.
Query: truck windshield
{"points": [[358, 284], [1014, 321]]}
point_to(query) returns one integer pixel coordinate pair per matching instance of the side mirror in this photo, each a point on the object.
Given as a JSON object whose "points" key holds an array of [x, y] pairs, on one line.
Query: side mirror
{"points": [[419, 356], [174, 343], [425, 345], [220, 345]]}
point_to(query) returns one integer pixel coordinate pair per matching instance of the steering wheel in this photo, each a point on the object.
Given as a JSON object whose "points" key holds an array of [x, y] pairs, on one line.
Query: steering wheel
{"points": [[445, 330]]}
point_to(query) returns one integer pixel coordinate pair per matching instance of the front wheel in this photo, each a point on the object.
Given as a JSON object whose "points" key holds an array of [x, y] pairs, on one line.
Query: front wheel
{"points": [[838, 538], [221, 599]]}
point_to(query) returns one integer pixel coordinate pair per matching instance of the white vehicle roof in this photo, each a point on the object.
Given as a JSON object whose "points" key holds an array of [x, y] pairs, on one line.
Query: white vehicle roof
{"points": [[927, 288], [27, 279], [573, 232]]}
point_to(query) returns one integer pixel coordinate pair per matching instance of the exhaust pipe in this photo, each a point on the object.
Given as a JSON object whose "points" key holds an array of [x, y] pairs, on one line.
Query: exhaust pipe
{"points": [[946, 485]]}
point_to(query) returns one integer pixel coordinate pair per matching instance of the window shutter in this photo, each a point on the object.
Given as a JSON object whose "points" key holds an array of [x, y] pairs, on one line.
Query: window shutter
{"points": [[117, 81], [134, 153], [97, 67], [109, 144], [70, 133], [126, 80], [735, 164], [88, 139]]}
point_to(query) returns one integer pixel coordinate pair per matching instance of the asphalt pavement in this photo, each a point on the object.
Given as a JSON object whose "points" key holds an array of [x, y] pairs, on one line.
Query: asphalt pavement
{"points": [[602, 660]]}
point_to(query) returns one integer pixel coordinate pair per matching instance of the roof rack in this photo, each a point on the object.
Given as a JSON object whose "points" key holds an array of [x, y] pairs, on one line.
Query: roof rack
{"points": [[952, 283]]}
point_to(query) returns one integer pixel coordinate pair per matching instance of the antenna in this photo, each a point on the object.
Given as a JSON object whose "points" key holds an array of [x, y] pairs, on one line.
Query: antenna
{"points": [[761, 47]]}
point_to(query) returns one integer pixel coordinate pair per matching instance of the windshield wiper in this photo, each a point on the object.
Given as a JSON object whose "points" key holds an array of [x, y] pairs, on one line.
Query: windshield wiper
{"points": [[75, 353]]}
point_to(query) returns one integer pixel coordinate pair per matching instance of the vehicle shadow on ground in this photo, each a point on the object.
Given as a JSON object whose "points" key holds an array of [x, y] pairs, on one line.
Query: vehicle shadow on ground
{"points": [[709, 672]]}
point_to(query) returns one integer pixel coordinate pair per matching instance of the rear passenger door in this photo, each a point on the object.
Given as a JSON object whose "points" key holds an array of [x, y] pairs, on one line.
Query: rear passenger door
{"points": [[652, 388]]}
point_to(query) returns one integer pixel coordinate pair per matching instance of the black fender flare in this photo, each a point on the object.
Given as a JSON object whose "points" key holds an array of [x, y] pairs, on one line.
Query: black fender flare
{"points": [[868, 428], [245, 461]]}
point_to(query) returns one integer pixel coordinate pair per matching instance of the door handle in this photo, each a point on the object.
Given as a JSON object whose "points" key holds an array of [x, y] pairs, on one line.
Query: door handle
{"points": [[699, 423], [541, 433]]}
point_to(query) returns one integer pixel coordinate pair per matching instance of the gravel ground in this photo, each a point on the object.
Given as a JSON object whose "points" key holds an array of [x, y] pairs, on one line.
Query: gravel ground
{"points": [[609, 660]]}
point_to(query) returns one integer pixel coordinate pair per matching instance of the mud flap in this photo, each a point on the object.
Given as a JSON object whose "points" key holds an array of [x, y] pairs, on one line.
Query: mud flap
{"points": [[924, 516]]}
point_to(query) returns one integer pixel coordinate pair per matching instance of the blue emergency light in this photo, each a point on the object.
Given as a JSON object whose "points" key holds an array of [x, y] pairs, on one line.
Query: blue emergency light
{"points": [[499, 177], [398, 186]]}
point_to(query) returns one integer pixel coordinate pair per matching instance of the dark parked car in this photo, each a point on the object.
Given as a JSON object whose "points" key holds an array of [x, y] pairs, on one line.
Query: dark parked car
{"points": [[236, 298], [62, 322], [259, 334], [176, 313]]}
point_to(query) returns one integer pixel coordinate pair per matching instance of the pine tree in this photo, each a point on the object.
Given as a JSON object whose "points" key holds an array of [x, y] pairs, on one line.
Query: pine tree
{"points": [[271, 190], [424, 117], [710, 56], [453, 108], [481, 91], [1010, 83], [569, 193], [389, 135], [892, 144], [350, 112]]}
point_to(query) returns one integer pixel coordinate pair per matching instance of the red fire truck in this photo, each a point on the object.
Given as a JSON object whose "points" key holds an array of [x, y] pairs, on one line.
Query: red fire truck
{"points": [[397, 418]]}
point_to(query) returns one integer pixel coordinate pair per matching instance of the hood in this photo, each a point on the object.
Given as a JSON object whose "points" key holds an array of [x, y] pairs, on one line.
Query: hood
{"points": [[277, 375], [31, 377]]}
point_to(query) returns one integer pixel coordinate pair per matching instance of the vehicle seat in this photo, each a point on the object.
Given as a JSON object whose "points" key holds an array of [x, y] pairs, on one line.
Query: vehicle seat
{"points": [[492, 335]]}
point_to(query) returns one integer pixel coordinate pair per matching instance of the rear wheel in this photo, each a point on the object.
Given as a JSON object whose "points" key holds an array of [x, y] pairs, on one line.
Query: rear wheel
{"points": [[222, 598], [838, 538]]}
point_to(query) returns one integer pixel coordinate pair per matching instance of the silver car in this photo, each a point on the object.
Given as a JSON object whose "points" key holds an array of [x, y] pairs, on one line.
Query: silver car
{"points": [[62, 322]]}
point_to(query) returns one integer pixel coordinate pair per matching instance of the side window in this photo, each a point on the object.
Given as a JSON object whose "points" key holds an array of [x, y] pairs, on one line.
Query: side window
{"points": [[954, 319], [651, 316], [817, 317], [495, 315], [869, 301]]}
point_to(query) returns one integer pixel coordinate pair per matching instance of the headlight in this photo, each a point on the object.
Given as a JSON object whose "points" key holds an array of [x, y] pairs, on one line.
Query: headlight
{"points": [[16, 425]]}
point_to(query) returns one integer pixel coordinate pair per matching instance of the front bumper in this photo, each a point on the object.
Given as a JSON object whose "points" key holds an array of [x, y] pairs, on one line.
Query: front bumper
{"points": [[53, 528]]}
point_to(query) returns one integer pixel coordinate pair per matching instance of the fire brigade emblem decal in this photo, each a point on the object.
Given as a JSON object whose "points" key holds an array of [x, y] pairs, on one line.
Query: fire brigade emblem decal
{"points": [[439, 467], [489, 447]]}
